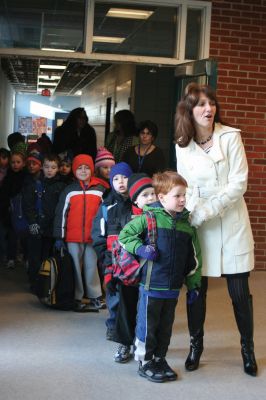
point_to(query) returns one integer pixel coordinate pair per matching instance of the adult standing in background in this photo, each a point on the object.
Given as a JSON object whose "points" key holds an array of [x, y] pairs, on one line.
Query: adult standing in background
{"points": [[146, 156], [211, 157], [124, 134], [75, 135]]}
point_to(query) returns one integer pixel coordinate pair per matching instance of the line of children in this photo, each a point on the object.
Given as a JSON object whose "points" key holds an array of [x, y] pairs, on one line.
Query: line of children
{"points": [[176, 258]]}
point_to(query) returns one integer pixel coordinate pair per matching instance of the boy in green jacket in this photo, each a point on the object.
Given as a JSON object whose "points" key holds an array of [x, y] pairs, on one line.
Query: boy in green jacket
{"points": [[176, 258]]}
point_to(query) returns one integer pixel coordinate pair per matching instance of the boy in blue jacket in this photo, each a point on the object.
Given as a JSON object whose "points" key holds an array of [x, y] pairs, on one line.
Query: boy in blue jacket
{"points": [[112, 215], [176, 258]]}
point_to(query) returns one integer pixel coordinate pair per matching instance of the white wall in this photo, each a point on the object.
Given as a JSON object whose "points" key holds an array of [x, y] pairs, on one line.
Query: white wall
{"points": [[117, 82], [6, 109]]}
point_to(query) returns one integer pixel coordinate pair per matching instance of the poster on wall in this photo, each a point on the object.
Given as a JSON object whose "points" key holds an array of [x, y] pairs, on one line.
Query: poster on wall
{"points": [[25, 125], [39, 126]]}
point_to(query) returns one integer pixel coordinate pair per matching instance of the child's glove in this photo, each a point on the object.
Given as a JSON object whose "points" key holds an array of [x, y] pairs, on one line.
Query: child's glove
{"points": [[34, 229], [148, 252], [59, 245], [192, 295]]}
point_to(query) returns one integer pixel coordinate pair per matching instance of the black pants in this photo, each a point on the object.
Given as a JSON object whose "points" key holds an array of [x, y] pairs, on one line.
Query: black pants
{"points": [[154, 326], [237, 285], [39, 248], [126, 314]]}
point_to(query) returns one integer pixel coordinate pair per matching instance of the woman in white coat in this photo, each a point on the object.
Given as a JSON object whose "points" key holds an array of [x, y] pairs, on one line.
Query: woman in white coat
{"points": [[211, 157]]}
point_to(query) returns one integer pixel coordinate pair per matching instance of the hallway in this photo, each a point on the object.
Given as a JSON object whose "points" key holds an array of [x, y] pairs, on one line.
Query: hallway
{"points": [[56, 355]]}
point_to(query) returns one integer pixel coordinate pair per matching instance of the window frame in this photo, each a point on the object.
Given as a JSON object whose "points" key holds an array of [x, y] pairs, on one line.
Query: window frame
{"points": [[88, 55]]}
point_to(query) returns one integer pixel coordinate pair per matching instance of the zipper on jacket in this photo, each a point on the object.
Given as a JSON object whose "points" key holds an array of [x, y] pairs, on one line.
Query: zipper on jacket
{"points": [[84, 215], [173, 246]]}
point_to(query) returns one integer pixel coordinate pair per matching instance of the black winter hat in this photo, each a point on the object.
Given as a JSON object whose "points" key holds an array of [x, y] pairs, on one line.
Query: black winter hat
{"points": [[137, 183]]}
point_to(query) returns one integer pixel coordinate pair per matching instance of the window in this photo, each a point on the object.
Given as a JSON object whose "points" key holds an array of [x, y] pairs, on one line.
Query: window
{"points": [[135, 30]]}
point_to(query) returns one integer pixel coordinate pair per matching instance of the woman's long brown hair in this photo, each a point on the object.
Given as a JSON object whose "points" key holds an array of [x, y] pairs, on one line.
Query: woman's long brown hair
{"points": [[184, 121]]}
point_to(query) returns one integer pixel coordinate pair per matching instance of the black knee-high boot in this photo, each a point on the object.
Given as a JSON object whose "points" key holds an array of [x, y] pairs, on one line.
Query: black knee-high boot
{"points": [[244, 318], [196, 317]]}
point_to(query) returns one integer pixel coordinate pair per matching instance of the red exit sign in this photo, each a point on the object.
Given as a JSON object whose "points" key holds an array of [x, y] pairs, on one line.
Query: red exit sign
{"points": [[46, 92]]}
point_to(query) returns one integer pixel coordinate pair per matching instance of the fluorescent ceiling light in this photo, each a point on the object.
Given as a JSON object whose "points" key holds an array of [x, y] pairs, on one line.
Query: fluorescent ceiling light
{"points": [[51, 49], [108, 39], [47, 84], [50, 66], [128, 13], [50, 77]]}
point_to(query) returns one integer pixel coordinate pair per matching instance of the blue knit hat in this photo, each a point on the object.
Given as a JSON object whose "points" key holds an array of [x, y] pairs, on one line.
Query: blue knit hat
{"points": [[121, 168]]}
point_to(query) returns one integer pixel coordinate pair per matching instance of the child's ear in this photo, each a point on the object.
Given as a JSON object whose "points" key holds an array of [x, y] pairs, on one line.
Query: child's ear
{"points": [[160, 197]]}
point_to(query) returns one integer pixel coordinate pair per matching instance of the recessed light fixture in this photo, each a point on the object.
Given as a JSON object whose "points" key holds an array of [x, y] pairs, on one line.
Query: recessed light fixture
{"points": [[128, 13], [47, 84], [108, 39], [50, 77], [51, 49], [51, 66]]}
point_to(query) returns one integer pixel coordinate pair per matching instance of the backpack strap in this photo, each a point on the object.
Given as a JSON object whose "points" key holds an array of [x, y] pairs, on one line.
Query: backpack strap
{"points": [[152, 235], [148, 275], [151, 226]]}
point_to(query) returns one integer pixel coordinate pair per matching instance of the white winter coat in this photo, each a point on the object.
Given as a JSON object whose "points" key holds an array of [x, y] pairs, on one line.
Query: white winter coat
{"points": [[217, 182]]}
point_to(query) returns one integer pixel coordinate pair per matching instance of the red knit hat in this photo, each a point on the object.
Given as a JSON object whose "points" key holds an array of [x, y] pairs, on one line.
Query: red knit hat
{"points": [[80, 160], [104, 158]]}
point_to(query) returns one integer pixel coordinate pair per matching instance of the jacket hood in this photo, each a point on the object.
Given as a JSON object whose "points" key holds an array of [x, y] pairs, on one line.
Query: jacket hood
{"points": [[158, 208]]}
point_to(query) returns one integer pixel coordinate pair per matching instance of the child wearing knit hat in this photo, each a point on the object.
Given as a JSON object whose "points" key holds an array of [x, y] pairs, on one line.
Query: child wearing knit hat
{"points": [[75, 212], [113, 214], [141, 191], [34, 163], [103, 162], [65, 167], [121, 300]]}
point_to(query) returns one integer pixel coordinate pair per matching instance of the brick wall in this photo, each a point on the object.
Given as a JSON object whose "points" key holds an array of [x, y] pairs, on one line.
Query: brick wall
{"points": [[238, 43]]}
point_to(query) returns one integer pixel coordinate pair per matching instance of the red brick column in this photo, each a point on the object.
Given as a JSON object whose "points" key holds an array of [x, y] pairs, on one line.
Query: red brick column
{"points": [[238, 43]]}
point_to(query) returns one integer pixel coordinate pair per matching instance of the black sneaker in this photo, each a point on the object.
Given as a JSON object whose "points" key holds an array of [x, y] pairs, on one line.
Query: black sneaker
{"points": [[110, 333], [81, 307], [170, 374], [98, 303], [152, 372], [123, 354]]}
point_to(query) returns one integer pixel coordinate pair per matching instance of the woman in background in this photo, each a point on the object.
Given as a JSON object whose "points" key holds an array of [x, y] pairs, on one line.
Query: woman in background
{"points": [[124, 134], [146, 156], [75, 135]]}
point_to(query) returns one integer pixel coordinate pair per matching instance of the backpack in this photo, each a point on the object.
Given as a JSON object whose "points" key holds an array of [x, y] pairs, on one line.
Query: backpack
{"points": [[55, 282], [126, 267], [18, 219]]}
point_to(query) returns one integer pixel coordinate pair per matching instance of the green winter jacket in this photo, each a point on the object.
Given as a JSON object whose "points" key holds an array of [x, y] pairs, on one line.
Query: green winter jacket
{"points": [[179, 255]]}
